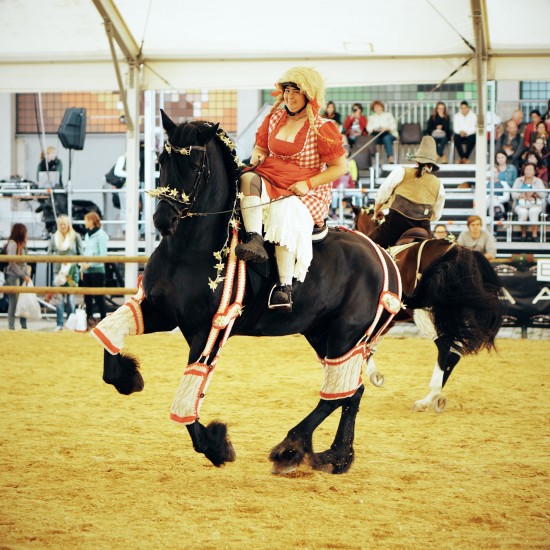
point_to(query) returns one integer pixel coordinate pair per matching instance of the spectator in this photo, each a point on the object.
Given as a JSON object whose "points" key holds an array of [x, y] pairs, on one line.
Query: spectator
{"points": [[477, 238], [355, 124], [536, 117], [440, 231], [540, 147], [540, 132], [439, 127], [498, 196], [347, 181], [541, 171], [65, 242], [528, 194], [331, 113], [464, 128], [507, 172], [546, 115], [50, 163], [511, 143], [93, 274], [383, 125], [517, 117], [16, 273]]}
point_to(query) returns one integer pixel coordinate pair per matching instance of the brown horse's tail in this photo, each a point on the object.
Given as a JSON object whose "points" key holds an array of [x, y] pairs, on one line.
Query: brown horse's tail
{"points": [[461, 290]]}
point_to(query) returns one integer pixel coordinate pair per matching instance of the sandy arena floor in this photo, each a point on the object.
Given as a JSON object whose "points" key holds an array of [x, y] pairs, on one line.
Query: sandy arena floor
{"points": [[84, 467]]}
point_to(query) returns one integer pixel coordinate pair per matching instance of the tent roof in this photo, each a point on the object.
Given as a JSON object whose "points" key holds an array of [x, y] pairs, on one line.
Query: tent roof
{"points": [[61, 45]]}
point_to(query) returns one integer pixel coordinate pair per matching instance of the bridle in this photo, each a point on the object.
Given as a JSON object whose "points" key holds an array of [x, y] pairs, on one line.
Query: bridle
{"points": [[179, 201]]}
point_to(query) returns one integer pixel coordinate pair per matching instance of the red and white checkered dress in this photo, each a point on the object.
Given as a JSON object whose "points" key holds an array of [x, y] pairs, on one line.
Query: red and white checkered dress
{"points": [[304, 158]]}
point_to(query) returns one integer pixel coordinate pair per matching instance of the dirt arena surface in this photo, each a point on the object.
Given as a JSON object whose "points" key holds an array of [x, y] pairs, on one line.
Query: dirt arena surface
{"points": [[84, 467]]}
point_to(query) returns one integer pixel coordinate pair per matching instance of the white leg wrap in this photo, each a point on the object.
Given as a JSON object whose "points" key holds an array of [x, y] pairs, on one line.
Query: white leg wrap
{"points": [[190, 395], [127, 320], [343, 375], [251, 211], [424, 323], [436, 383]]}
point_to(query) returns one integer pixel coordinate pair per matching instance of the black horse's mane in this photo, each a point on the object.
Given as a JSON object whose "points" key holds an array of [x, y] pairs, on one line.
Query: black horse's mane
{"points": [[198, 132]]}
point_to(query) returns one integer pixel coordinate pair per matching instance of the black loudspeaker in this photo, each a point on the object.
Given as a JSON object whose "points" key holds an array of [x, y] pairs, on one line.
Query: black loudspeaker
{"points": [[73, 128]]}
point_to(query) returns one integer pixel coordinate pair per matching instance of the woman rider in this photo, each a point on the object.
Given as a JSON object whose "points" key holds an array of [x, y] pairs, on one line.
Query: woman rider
{"points": [[297, 156]]}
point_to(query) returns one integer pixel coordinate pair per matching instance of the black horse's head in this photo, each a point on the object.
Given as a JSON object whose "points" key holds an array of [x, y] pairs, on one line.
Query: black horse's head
{"points": [[187, 164]]}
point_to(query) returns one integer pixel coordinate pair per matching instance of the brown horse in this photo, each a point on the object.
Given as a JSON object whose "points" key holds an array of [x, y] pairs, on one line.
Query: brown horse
{"points": [[464, 314]]}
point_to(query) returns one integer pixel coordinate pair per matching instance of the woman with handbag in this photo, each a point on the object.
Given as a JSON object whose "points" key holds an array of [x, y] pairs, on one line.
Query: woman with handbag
{"points": [[439, 127], [528, 193], [65, 242], [93, 274], [16, 273]]}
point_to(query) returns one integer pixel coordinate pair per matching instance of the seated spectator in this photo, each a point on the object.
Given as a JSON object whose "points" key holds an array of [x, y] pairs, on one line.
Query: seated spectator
{"points": [[529, 200], [347, 181], [383, 125], [517, 117], [511, 143], [440, 231], [540, 132], [507, 172], [546, 115], [477, 238], [541, 171], [498, 196], [464, 128], [355, 124], [540, 146], [439, 127], [536, 117], [331, 113]]}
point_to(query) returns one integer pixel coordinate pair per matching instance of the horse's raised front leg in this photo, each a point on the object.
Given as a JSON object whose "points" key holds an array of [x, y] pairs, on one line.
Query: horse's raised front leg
{"points": [[339, 458], [212, 441], [447, 359], [291, 451], [120, 369]]}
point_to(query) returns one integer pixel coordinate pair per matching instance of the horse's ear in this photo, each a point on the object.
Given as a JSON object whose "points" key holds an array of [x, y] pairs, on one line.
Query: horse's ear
{"points": [[208, 131], [167, 122]]}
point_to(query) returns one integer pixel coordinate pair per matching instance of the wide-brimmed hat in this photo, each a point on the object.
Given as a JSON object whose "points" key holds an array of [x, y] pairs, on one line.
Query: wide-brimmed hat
{"points": [[427, 152]]}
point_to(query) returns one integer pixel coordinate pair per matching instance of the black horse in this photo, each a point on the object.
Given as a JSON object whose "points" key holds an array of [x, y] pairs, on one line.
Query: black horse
{"points": [[338, 308]]}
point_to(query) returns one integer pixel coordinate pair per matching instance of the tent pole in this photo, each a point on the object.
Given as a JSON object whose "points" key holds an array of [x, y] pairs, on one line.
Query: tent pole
{"points": [[480, 29]]}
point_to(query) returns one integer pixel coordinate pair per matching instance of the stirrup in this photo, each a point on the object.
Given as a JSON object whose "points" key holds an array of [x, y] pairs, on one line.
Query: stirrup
{"points": [[252, 249], [281, 298]]}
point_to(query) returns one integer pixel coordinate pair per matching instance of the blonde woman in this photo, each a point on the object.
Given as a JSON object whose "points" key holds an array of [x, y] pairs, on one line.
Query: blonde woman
{"points": [[297, 156], [64, 242], [50, 163]]}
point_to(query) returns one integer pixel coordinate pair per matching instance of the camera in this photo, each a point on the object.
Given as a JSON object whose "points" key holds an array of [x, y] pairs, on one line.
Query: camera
{"points": [[355, 109]]}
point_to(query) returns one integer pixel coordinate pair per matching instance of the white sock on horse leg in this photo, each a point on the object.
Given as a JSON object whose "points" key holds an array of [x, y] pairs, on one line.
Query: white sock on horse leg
{"points": [[251, 211], [285, 264], [436, 383]]}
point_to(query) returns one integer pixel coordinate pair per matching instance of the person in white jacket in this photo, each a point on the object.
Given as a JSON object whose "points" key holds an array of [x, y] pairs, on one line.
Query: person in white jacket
{"points": [[384, 125], [464, 128]]}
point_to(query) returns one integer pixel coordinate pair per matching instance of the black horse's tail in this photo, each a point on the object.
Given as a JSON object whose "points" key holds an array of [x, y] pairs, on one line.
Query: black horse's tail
{"points": [[461, 291]]}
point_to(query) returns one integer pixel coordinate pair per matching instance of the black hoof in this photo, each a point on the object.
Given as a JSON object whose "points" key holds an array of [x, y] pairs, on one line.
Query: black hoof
{"points": [[122, 372], [332, 462], [287, 455], [218, 448]]}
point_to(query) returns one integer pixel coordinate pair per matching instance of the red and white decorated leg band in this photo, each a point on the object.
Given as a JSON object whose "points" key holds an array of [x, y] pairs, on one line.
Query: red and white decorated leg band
{"points": [[343, 375], [127, 320]]}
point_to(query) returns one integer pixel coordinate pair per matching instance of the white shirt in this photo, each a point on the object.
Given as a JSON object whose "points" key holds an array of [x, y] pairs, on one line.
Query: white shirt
{"points": [[383, 120], [385, 191], [466, 123]]}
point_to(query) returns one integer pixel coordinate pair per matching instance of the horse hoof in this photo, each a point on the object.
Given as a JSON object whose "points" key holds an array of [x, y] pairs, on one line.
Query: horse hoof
{"points": [[282, 469], [377, 379], [439, 403]]}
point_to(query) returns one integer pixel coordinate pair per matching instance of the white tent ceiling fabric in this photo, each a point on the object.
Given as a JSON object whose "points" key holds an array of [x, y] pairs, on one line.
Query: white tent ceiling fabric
{"points": [[61, 45]]}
